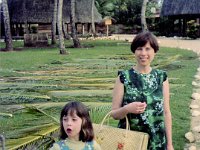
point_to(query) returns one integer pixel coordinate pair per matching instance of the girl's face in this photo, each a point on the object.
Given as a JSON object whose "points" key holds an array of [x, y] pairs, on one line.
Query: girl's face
{"points": [[72, 126], [144, 55]]}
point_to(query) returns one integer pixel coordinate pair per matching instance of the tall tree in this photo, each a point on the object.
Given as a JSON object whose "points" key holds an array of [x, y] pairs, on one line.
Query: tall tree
{"points": [[8, 37], [26, 30], [143, 16], [92, 14], [60, 31], [76, 41], [66, 35], [54, 22]]}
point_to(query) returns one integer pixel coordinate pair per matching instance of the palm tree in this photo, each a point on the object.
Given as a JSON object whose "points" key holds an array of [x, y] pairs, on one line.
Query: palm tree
{"points": [[76, 41], [60, 31], [143, 17], [53, 24], [25, 16], [92, 14], [8, 37]]}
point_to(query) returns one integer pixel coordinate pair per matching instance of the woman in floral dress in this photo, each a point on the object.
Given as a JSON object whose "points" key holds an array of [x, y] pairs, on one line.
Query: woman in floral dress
{"points": [[142, 93]]}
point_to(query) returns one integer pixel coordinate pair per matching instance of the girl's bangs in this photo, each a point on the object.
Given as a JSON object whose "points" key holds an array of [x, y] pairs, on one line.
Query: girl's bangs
{"points": [[69, 111]]}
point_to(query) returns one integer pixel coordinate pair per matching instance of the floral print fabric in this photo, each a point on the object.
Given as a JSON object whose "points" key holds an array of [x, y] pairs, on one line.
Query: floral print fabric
{"points": [[63, 146], [146, 88]]}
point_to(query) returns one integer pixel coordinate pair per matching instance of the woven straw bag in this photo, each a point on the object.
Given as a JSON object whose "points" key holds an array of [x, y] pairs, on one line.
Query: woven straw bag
{"points": [[112, 138]]}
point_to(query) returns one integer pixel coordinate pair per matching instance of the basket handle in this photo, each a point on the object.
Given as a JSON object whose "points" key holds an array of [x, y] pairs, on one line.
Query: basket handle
{"points": [[108, 115]]}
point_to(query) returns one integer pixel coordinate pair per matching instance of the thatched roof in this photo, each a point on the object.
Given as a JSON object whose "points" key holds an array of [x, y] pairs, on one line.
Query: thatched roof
{"points": [[41, 11], [180, 7]]}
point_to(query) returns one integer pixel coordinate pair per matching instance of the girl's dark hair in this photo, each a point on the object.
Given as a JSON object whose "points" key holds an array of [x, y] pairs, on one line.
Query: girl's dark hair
{"points": [[142, 38], [86, 133]]}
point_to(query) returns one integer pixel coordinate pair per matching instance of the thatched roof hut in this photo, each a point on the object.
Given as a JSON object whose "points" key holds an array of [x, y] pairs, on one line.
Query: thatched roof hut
{"points": [[184, 16], [41, 11], [180, 8]]}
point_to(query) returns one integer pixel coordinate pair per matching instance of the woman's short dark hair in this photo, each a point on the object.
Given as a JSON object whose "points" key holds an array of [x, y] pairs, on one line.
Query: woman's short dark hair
{"points": [[86, 133], [142, 38]]}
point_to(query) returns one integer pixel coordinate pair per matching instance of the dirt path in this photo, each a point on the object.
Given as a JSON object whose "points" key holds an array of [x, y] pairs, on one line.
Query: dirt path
{"points": [[194, 45]]}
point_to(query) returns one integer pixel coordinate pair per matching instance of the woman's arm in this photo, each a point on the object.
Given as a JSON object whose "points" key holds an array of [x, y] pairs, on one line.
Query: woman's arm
{"points": [[119, 112], [167, 114]]}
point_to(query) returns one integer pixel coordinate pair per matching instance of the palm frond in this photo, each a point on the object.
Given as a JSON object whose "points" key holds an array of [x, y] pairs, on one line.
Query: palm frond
{"points": [[103, 85], [34, 108], [43, 131], [5, 114], [80, 93], [97, 113], [167, 61]]}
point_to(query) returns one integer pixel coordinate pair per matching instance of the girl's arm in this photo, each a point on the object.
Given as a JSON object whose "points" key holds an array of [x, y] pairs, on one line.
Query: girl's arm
{"points": [[167, 114]]}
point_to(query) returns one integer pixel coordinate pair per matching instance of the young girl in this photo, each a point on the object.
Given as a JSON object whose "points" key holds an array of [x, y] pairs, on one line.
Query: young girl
{"points": [[142, 93], [76, 131]]}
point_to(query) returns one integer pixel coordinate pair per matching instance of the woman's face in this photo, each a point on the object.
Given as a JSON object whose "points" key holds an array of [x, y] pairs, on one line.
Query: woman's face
{"points": [[72, 126], [144, 55]]}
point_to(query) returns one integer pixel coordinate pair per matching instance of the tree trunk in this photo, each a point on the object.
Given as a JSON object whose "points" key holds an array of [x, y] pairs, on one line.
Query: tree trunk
{"points": [[60, 32], [76, 41], [8, 37], [53, 24], [143, 17], [66, 35], [93, 24], [25, 16], [26, 27]]}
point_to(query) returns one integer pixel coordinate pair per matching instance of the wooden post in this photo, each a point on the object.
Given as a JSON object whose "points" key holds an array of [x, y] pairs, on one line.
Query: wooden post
{"points": [[107, 23], [83, 28], [107, 30]]}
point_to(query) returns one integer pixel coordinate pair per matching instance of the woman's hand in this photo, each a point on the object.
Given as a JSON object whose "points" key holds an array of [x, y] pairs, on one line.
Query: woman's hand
{"points": [[170, 147], [136, 107]]}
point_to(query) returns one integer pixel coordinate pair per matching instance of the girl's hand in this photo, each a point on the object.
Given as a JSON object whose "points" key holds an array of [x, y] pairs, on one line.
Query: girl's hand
{"points": [[136, 107]]}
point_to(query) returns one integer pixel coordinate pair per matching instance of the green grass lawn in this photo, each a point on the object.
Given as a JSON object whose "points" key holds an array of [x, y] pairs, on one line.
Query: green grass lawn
{"points": [[35, 83]]}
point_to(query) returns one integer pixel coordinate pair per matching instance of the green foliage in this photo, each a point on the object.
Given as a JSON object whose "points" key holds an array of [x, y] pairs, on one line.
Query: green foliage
{"points": [[123, 11], [127, 11], [151, 7], [105, 7], [45, 81], [192, 29]]}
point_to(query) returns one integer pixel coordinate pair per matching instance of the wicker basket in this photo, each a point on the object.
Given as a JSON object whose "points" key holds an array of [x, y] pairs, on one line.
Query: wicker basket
{"points": [[112, 138]]}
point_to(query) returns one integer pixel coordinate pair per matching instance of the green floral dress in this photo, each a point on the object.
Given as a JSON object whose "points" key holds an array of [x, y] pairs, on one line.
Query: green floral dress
{"points": [[146, 88]]}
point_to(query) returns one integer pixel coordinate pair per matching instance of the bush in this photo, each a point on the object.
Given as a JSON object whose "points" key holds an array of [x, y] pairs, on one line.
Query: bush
{"points": [[33, 29], [193, 29]]}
